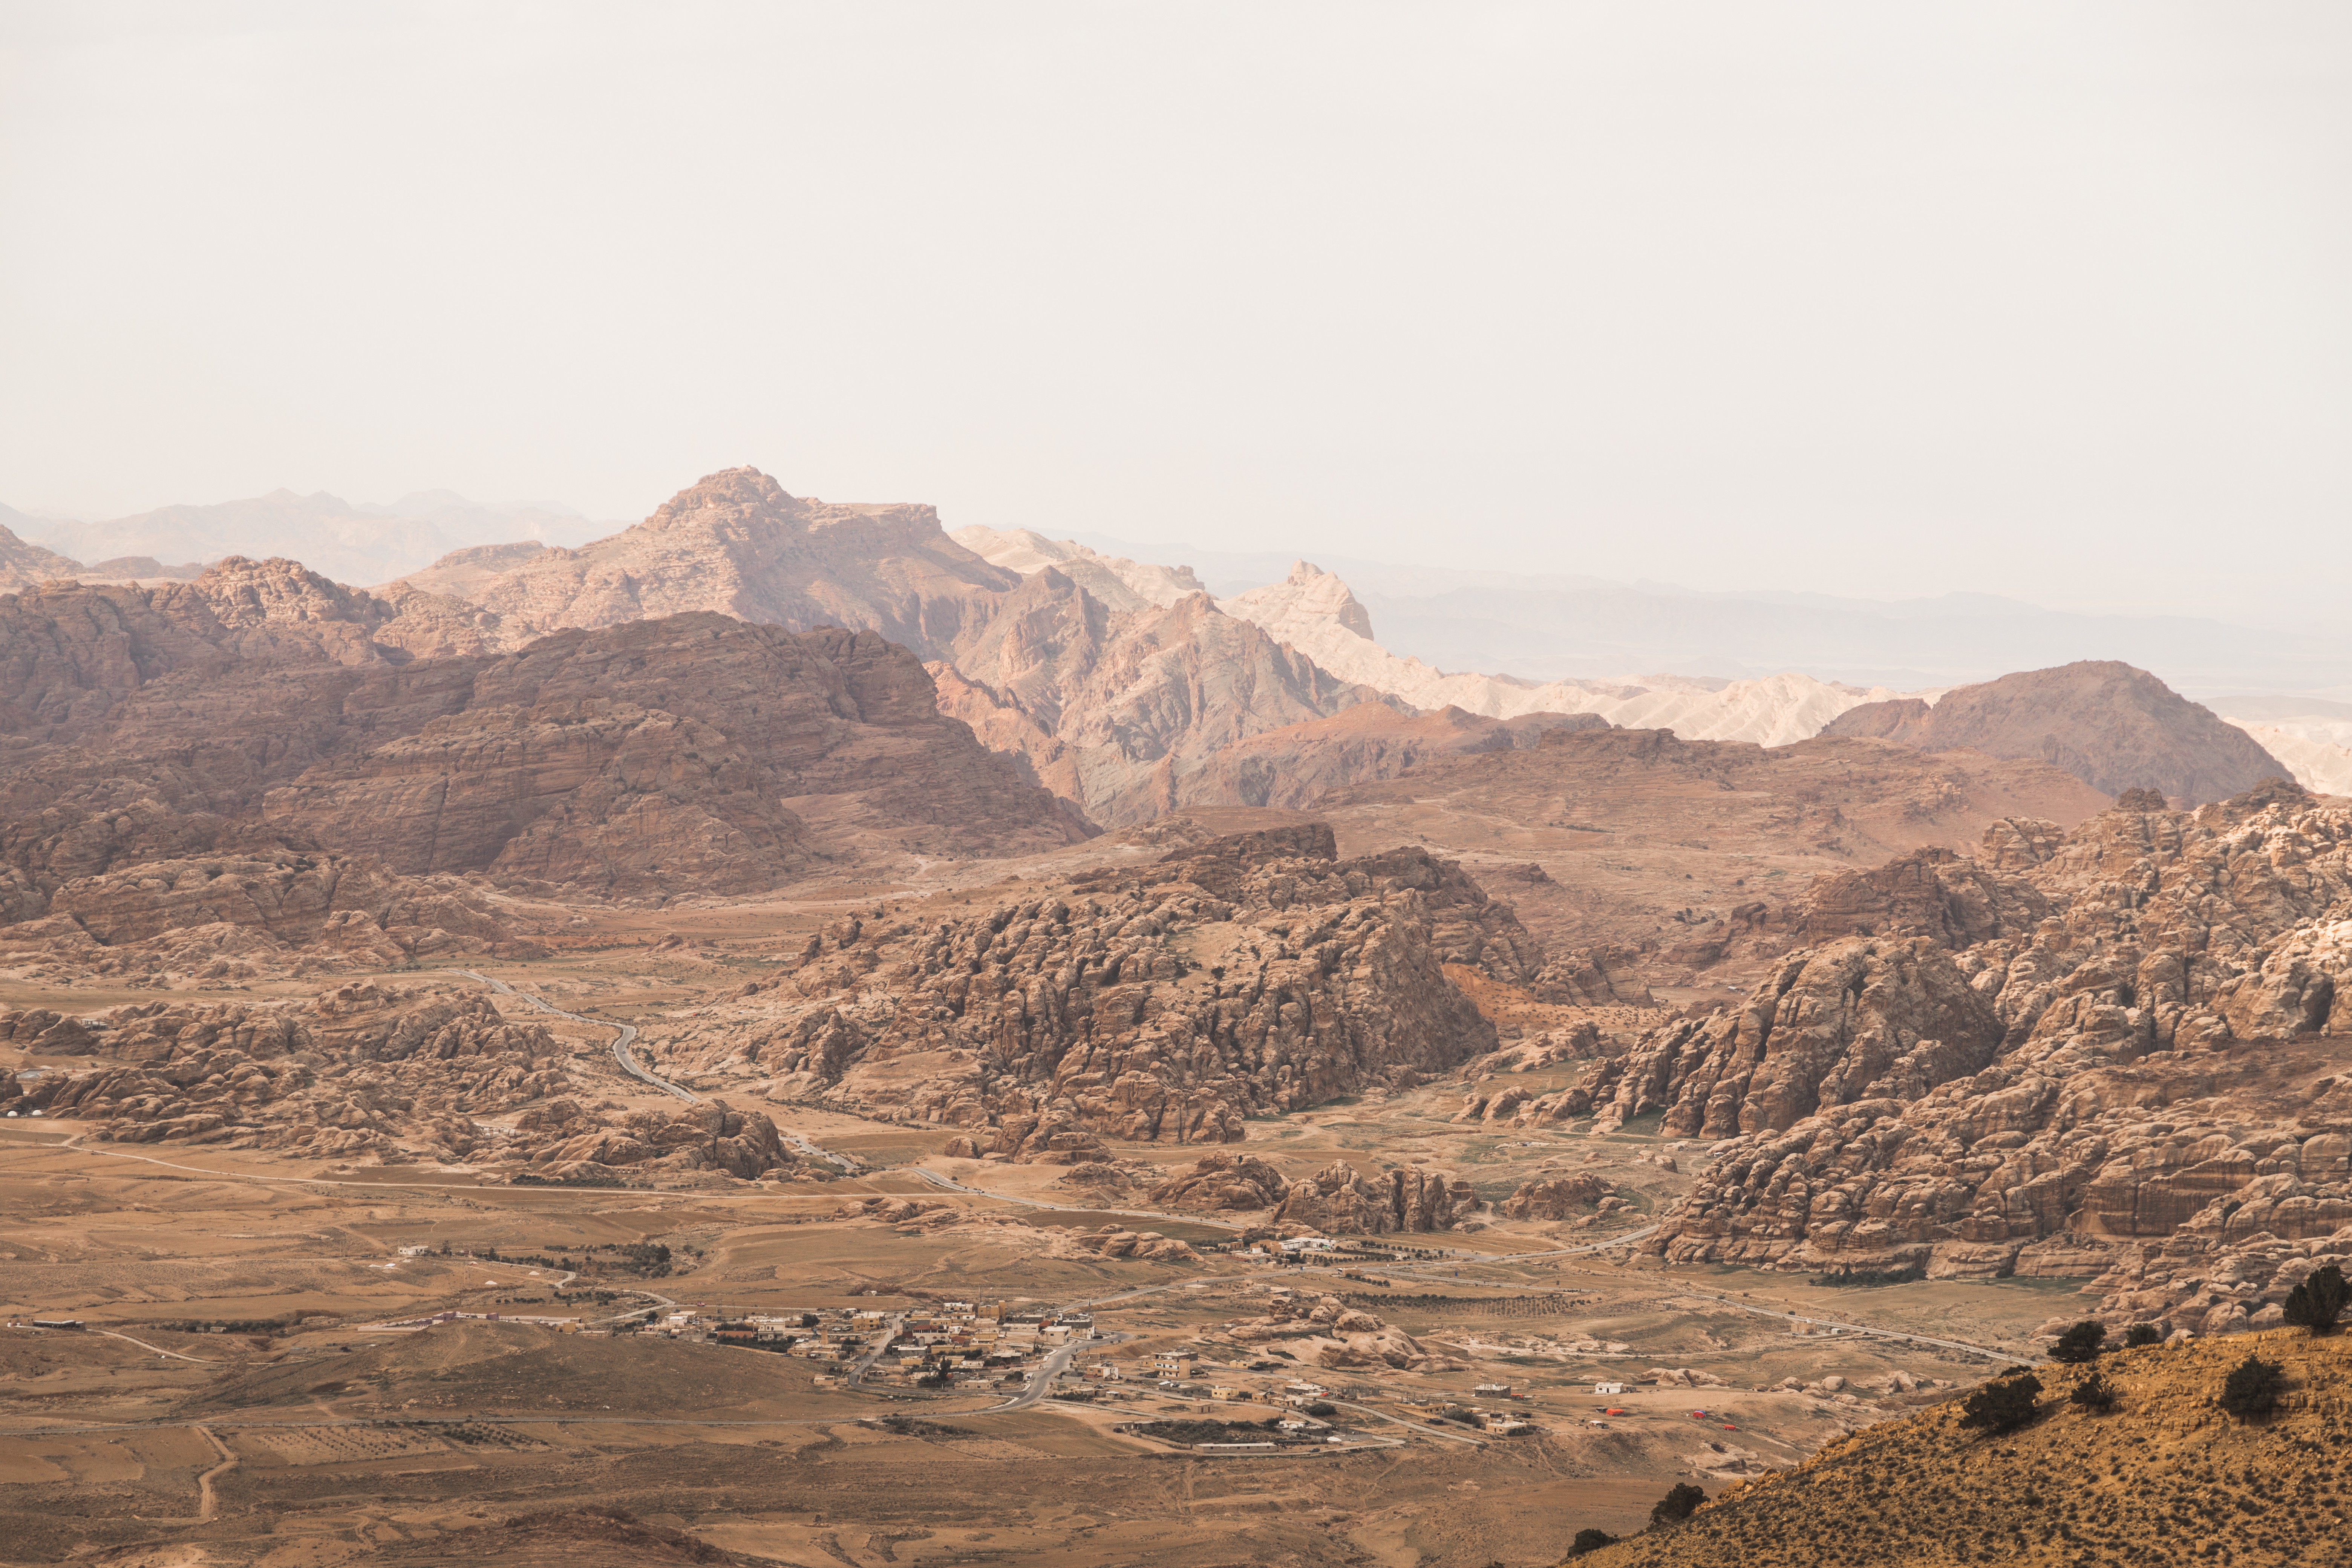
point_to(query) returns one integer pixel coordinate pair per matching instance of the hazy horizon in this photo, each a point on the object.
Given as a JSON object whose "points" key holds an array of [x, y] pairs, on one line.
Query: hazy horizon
{"points": [[2039, 301]]}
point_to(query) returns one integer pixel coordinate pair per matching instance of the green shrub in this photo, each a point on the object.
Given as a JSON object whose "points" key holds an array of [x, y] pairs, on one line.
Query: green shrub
{"points": [[2080, 1343], [2094, 1392], [2318, 1304], [2002, 1406], [2140, 1334], [1590, 1541], [2252, 1388], [1680, 1502]]}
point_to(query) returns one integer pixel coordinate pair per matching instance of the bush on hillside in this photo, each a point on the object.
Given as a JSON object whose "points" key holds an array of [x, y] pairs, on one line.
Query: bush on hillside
{"points": [[2001, 1406], [2094, 1392], [2317, 1304], [2140, 1334], [2252, 1388], [2080, 1343], [1590, 1541], [1679, 1504]]}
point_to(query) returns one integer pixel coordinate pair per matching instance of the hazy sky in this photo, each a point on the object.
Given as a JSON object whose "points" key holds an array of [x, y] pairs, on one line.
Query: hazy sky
{"points": [[2041, 299]]}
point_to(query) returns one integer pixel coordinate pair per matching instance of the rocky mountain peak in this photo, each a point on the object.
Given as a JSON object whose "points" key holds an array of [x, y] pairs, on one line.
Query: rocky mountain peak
{"points": [[1309, 597], [245, 593], [741, 494], [2111, 725]]}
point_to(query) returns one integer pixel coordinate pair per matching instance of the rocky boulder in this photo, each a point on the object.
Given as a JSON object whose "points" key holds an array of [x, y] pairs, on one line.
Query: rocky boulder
{"points": [[1223, 1182], [1557, 1197], [1338, 1199], [1861, 1019], [1250, 974]]}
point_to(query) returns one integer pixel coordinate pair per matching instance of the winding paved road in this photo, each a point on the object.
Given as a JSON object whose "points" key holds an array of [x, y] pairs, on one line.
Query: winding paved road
{"points": [[621, 1042], [1042, 1382], [864, 1364]]}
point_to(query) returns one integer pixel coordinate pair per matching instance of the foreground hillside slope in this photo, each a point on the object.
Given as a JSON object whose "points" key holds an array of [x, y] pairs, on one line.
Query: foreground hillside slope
{"points": [[2163, 1477], [2114, 727]]}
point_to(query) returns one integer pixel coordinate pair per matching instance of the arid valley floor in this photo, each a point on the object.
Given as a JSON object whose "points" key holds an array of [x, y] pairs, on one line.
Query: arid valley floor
{"points": [[325, 1437]]}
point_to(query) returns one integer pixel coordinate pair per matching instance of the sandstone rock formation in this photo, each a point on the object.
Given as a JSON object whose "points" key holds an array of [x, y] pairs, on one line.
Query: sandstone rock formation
{"points": [[1119, 582], [2110, 725], [1143, 1245], [1557, 1197], [1295, 765], [1662, 860], [24, 564], [1167, 1002], [738, 545], [2320, 765], [1113, 681], [1952, 900], [368, 1072], [1854, 1020], [1223, 1182], [1314, 611], [2115, 1090], [563, 1142], [240, 784], [1339, 1200], [218, 916], [1135, 704], [1327, 1332], [661, 753], [71, 655]]}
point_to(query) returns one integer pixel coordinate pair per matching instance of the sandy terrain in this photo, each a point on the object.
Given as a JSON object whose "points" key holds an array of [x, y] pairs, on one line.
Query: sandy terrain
{"points": [[351, 1444]]}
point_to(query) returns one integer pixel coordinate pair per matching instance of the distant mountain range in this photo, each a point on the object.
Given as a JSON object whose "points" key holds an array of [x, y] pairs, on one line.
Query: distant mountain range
{"points": [[1117, 671], [363, 544], [1552, 626]]}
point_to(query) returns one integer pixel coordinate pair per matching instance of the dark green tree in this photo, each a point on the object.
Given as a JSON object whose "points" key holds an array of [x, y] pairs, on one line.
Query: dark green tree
{"points": [[2317, 1304], [2002, 1406], [1590, 1541], [2080, 1343], [2252, 1388], [1680, 1502], [2094, 1392], [2140, 1334]]}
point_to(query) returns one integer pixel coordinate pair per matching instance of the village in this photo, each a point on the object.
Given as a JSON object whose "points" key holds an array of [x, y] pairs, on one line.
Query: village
{"points": [[1029, 1352]]}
